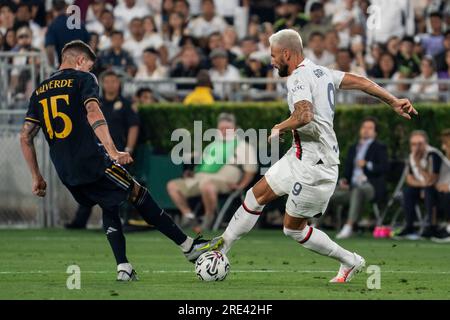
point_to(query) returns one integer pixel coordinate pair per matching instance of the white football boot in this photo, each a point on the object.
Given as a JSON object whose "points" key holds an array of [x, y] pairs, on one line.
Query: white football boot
{"points": [[347, 272], [125, 272]]}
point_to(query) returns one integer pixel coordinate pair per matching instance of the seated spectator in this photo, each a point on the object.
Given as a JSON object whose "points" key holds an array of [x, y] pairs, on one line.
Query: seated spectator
{"points": [[151, 34], [426, 87], [222, 71], [2, 41], [433, 43], [24, 17], [7, 17], [255, 67], [188, 67], [423, 164], [445, 74], [216, 41], [443, 188], [10, 40], [116, 58], [248, 45], [408, 63], [344, 62], [151, 68], [144, 96], [373, 56], [344, 19], [289, 16], [393, 45], [173, 34], [93, 16], [229, 163], [127, 10], [137, 43], [207, 23], [202, 93], [266, 30], [94, 39], [364, 176], [108, 24], [385, 69], [317, 23], [316, 50], [230, 41], [332, 42], [440, 59]]}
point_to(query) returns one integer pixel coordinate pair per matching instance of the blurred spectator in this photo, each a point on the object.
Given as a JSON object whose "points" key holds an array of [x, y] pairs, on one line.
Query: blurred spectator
{"points": [[229, 163], [93, 16], [396, 18], [332, 42], [10, 40], [151, 68], [316, 50], [123, 125], [144, 96], [248, 45], [21, 82], [188, 67], [137, 43], [373, 56], [173, 34], [445, 74], [24, 17], [289, 15], [358, 51], [116, 58], [385, 69], [408, 63], [364, 176], [127, 10], [424, 164], [344, 62], [443, 188], [207, 23], [425, 86], [7, 17], [230, 41], [345, 17], [108, 24], [317, 23], [440, 59], [393, 45], [433, 43], [227, 9], [216, 41], [222, 71], [202, 93], [58, 34], [255, 67], [182, 7], [94, 40], [152, 35], [2, 42], [266, 30]]}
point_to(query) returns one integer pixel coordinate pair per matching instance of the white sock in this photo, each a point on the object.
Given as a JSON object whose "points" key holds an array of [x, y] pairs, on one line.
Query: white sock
{"points": [[243, 220], [190, 215], [187, 244], [317, 241]]}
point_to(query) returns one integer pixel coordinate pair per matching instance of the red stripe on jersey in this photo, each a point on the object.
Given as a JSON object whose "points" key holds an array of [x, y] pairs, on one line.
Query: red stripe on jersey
{"points": [[307, 236], [250, 211], [298, 145]]}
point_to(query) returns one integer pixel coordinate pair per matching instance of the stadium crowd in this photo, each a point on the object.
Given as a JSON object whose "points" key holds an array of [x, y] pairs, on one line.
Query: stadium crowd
{"points": [[162, 39]]}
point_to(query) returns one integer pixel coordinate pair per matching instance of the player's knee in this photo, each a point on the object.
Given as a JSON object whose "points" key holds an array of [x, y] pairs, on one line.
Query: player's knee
{"points": [[297, 235]]}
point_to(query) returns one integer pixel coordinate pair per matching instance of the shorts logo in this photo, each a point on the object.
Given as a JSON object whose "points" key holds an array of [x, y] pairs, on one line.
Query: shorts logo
{"points": [[318, 73]]}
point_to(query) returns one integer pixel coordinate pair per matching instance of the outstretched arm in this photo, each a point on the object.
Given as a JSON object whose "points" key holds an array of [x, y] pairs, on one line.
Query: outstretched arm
{"points": [[98, 123], [29, 131], [354, 82]]}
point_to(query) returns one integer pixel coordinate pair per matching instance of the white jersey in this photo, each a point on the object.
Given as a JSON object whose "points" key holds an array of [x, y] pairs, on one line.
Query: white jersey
{"points": [[315, 141]]}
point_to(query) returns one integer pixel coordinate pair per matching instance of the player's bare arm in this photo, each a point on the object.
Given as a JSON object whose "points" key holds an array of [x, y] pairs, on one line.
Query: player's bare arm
{"points": [[98, 123], [402, 107], [302, 115], [29, 131]]}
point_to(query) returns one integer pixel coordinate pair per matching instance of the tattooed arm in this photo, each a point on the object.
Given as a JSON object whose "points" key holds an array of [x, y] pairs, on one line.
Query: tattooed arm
{"points": [[29, 131], [302, 115], [402, 107]]}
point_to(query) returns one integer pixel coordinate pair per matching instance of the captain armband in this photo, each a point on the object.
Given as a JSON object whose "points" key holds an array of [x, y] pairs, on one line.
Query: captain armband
{"points": [[98, 123]]}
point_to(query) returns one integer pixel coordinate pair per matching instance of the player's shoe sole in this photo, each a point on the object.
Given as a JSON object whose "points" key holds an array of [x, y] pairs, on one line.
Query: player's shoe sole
{"points": [[346, 274], [201, 246]]}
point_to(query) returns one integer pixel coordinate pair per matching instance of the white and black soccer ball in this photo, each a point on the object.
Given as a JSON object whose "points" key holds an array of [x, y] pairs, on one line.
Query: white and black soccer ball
{"points": [[212, 266]]}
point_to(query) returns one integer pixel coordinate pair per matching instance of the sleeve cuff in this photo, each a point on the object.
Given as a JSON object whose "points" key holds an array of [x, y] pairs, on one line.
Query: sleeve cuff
{"points": [[32, 120], [369, 165], [91, 99]]}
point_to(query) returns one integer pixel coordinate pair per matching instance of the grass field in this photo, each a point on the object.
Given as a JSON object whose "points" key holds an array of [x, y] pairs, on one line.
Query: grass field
{"points": [[264, 265]]}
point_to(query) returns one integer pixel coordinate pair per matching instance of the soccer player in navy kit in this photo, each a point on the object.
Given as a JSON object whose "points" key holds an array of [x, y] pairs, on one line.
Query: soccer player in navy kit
{"points": [[66, 106]]}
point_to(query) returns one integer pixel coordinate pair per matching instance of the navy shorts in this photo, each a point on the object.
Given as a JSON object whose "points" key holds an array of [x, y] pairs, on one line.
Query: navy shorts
{"points": [[109, 191]]}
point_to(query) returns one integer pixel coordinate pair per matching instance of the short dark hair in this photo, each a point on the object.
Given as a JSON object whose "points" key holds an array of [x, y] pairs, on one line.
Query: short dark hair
{"points": [[371, 119], [151, 50], [117, 32], [109, 73], [141, 91], [316, 34], [59, 5], [316, 6], [79, 47], [436, 14], [408, 39]]}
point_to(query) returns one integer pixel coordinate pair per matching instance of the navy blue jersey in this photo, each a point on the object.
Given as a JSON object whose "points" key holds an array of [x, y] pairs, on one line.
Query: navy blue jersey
{"points": [[58, 106]]}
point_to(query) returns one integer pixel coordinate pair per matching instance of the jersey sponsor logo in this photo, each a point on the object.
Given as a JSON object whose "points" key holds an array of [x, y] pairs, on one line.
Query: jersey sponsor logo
{"points": [[318, 72], [298, 87]]}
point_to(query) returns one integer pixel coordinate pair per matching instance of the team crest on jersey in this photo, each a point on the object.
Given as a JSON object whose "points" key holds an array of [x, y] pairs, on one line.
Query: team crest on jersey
{"points": [[318, 73], [118, 105]]}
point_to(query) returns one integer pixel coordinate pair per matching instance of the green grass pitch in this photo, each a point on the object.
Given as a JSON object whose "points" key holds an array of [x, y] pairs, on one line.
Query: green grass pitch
{"points": [[264, 265]]}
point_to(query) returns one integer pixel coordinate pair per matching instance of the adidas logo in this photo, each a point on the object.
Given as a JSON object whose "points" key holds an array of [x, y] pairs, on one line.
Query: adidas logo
{"points": [[110, 230]]}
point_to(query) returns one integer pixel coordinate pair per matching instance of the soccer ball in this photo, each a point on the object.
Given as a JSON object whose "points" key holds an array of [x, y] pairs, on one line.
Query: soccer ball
{"points": [[212, 266]]}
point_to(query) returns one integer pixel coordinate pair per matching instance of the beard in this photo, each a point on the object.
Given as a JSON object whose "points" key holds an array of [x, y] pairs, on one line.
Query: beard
{"points": [[283, 70]]}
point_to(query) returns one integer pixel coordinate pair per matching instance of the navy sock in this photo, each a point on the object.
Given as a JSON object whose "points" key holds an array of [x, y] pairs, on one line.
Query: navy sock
{"points": [[113, 229], [157, 217]]}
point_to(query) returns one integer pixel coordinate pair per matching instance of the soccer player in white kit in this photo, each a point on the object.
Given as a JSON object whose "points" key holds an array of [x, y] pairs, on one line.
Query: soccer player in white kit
{"points": [[308, 172]]}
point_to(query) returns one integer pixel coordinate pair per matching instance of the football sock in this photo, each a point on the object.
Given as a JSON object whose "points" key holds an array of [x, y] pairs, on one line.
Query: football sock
{"points": [[154, 215], [243, 220], [317, 241], [113, 229]]}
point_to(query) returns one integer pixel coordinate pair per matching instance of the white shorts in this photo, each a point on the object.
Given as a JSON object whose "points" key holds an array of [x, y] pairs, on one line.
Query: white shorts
{"points": [[310, 186]]}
